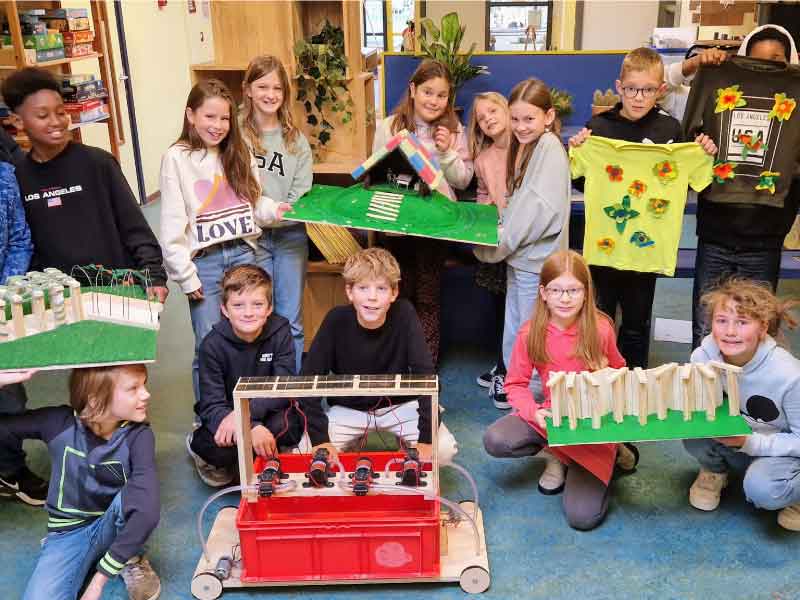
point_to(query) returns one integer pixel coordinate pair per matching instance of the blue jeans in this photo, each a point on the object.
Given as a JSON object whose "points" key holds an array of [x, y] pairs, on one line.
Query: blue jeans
{"points": [[714, 264], [69, 556], [770, 482], [283, 253], [211, 265], [521, 290], [12, 402]]}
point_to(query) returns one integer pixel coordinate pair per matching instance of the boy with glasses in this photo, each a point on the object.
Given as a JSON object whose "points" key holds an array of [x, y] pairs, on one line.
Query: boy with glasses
{"points": [[636, 118]]}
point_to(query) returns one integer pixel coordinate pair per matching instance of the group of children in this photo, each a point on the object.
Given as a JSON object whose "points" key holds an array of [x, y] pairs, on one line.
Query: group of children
{"points": [[225, 184]]}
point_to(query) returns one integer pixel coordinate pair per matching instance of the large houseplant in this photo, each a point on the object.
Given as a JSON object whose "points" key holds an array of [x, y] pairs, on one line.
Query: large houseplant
{"points": [[443, 43], [322, 83]]}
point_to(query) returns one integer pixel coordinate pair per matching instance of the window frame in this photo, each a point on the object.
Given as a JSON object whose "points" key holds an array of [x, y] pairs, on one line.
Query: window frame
{"points": [[534, 3]]}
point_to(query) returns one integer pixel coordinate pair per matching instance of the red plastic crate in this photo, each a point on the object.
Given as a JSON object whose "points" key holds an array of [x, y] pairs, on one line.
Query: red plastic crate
{"points": [[306, 538]]}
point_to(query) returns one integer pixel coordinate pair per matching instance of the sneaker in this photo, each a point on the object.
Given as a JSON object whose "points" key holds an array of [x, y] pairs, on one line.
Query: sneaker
{"points": [[706, 489], [552, 479], [485, 380], [140, 579], [25, 486], [497, 392], [211, 475], [627, 458], [789, 517]]}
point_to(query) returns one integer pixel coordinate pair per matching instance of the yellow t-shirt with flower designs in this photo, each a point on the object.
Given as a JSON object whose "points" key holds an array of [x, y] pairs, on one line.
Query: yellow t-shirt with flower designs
{"points": [[634, 196]]}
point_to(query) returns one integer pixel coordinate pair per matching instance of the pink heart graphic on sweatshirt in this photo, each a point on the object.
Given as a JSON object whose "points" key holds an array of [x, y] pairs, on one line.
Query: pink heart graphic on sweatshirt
{"points": [[216, 195]]}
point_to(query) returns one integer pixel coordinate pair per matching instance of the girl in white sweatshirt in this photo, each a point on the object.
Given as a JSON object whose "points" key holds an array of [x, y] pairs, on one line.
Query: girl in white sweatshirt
{"points": [[212, 209]]}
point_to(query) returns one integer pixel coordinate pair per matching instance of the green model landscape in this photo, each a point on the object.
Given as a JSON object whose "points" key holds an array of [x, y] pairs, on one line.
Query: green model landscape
{"points": [[432, 216], [671, 428], [83, 343]]}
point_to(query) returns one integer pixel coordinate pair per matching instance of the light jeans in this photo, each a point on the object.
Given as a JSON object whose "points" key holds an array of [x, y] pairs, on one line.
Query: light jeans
{"points": [[521, 290], [283, 253], [770, 482], [211, 265], [69, 556]]}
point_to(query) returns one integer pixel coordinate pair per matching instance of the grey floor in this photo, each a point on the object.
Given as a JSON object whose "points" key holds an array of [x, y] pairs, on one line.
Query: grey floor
{"points": [[652, 545]]}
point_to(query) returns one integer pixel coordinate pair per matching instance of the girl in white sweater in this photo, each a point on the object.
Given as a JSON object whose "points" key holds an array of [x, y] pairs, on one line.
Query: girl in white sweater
{"points": [[212, 209]]}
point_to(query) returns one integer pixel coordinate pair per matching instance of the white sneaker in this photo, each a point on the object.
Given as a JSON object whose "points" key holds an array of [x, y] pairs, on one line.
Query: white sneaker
{"points": [[706, 489], [552, 479], [789, 517]]}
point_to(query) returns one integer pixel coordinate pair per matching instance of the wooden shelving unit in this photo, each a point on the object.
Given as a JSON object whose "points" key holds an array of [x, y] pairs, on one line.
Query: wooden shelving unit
{"points": [[105, 65], [273, 28]]}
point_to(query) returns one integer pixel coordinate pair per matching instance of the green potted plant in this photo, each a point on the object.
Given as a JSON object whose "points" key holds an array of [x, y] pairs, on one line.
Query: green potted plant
{"points": [[322, 83], [562, 103], [444, 44]]}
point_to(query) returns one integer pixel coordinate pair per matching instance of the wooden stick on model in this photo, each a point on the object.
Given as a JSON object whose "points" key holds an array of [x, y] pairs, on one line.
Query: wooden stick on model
{"points": [[556, 385], [594, 392], [616, 379], [17, 316], [641, 394], [572, 401], [709, 377], [687, 391]]}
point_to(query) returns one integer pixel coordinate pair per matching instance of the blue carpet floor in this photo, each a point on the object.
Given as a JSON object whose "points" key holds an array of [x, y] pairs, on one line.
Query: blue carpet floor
{"points": [[652, 544]]}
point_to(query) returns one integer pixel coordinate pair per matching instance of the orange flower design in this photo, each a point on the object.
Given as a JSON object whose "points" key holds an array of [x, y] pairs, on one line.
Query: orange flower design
{"points": [[724, 171], [637, 188], [614, 172], [783, 108], [606, 245], [666, 171], [729, 98]]}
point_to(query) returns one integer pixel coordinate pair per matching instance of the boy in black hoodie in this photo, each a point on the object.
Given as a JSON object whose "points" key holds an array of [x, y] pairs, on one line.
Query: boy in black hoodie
{"points": [[249, 341]]}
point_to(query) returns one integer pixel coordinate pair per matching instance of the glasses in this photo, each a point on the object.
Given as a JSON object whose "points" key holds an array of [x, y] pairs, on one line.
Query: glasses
{"points": [[632, 92], [555, 293]]}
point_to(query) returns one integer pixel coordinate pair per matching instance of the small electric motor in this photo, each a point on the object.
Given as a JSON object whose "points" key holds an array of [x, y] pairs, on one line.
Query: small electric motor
{"points": [[411, 473], [269, 477], [319, 473], [363, 476]]}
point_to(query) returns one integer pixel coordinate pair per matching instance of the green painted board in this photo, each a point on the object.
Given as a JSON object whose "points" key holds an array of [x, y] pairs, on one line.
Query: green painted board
{"points": [[82, 343], [434, 216], [671, 428]]}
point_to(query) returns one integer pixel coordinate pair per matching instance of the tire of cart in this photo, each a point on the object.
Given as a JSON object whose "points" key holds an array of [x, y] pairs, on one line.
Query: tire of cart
{"points": [[475, 580], [206, 586]]}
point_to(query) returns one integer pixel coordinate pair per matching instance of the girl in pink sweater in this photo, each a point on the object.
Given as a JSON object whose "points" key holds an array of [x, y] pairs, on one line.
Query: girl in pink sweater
{"points": [[489, 136], [566, 333]]}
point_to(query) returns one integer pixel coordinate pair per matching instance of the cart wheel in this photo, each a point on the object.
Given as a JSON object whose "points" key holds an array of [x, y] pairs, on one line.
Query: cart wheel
{"points": [[206, 586], [474, 580]]}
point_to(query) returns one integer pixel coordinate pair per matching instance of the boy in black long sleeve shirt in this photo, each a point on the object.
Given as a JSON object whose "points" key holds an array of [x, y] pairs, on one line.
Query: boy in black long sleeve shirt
{"points": [[373, 335], [79, 206]]}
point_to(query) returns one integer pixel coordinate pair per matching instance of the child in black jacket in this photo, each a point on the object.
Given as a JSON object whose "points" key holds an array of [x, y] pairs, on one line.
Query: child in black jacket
{"points": [[249, 341]]}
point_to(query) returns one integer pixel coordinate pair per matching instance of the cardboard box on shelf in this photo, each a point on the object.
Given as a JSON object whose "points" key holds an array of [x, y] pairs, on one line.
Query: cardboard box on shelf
{"points": [[71, 24], [73, 50], [78, 37], [43, 56], [67, 13], [47, 41], [89, 110]]}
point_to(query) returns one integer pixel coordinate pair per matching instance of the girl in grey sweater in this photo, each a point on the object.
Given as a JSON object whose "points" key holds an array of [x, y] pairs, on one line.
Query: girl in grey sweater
{"points": [[534, 222], [285, 173]]}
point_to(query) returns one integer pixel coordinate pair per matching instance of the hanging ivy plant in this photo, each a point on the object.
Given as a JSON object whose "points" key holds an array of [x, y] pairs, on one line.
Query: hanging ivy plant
{"points": [[322, 83]]}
